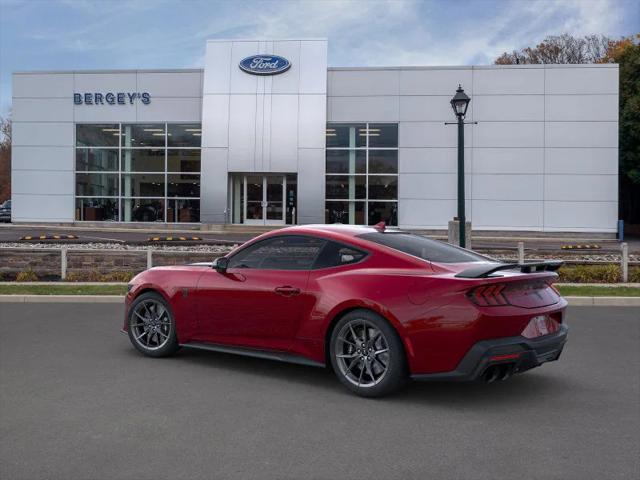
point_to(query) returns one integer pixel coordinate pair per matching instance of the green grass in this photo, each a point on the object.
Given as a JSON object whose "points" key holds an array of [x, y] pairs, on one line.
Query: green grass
{"points": [[54, 289], [597, 291]]}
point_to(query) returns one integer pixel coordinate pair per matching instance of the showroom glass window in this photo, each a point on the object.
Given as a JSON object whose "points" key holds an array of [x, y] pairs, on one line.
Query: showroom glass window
{"points": [[362, 173], [138, 172]]}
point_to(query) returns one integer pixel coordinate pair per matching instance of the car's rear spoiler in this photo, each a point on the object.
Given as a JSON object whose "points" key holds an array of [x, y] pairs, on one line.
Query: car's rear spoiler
{"points": [[486, 269]]}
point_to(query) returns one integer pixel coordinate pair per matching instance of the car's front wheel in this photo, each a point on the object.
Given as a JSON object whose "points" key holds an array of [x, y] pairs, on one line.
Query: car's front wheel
{"points": [[367, 354], [152, 326]]}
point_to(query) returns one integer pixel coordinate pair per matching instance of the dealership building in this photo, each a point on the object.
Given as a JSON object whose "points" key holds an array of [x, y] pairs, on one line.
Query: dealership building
{"points": [[267, 134]]}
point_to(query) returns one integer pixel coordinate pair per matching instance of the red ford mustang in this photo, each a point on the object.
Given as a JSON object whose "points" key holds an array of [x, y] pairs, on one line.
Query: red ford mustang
{"points": [[376, 305]]}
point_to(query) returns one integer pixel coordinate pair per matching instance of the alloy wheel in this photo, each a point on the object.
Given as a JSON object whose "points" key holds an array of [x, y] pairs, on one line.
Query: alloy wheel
{"points": [[362, 353], [150, 324]]}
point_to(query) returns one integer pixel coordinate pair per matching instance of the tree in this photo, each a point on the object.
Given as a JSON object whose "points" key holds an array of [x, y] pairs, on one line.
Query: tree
{"points": [[560, 49], [5, 159], [600, 49], [626, 53]]}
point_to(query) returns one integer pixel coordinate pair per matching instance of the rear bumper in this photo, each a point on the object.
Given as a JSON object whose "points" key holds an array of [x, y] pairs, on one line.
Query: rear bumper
{"points": [[515, 354]]}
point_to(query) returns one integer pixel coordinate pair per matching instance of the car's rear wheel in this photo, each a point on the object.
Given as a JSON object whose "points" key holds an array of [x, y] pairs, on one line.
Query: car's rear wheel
{"points": [[152, 326], [367, 354]]}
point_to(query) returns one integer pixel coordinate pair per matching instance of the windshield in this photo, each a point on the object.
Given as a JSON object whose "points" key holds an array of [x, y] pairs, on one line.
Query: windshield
{"points": [[425, 248]]}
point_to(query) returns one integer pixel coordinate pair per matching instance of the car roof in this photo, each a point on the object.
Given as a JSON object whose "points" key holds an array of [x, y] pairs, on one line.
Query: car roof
{"points": [[336, 228], [349, 234], [336, 231]]}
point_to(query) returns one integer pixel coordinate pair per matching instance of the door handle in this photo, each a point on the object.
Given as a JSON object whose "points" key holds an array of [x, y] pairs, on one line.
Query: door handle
{"points": [[287, 291]]}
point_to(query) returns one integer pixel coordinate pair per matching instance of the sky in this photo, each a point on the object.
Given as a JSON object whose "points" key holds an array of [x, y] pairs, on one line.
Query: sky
{"points": [[109, 34]]}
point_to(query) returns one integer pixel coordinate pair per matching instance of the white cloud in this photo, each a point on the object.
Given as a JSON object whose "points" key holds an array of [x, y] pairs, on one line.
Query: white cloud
{"points": [[172, 34], [593, 16], [405, 32], [374, 32]]}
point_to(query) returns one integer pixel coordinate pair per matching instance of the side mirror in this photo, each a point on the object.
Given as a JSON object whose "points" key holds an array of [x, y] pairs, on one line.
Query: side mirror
{"points": [[221, 264]]}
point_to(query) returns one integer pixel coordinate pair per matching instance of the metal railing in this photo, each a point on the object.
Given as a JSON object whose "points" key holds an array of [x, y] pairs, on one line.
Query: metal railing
{"points": [[149, 252]]}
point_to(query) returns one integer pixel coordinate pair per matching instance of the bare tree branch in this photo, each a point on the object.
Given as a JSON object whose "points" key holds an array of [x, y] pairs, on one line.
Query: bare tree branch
{"points": [[563, 48]]}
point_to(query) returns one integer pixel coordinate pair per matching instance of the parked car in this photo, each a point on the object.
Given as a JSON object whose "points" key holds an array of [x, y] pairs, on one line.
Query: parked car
{"points": [[378, 306], [5, 211]]}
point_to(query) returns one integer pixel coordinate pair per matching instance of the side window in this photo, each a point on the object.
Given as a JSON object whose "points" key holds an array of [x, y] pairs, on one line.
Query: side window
{"points": [[288, 252], [335, 254]]}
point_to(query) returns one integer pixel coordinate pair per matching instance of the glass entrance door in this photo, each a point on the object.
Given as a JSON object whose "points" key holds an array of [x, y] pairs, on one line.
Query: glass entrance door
{"points": [[254, 199], [274, 190], [264, 199]]}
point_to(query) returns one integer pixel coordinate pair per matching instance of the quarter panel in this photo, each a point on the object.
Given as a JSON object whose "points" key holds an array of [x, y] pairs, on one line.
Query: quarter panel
{"points": [[379, 284]]}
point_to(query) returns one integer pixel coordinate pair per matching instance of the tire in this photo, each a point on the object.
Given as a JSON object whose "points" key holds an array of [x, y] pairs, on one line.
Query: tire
{"points": [[379, 368], [151, 326]]}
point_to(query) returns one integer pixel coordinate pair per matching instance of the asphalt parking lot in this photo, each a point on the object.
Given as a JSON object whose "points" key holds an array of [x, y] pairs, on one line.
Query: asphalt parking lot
{"points": [[78, 402]]}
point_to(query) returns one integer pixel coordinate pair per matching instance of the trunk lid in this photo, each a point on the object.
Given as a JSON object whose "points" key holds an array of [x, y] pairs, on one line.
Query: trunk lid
{"points": [[492, 284]]}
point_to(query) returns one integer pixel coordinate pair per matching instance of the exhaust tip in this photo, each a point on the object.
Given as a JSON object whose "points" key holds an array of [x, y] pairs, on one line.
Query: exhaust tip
{"points": [[498, 372], [491, 374]]}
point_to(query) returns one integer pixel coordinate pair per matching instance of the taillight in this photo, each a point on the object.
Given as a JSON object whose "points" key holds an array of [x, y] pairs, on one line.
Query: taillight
{"points": [[488, 295], [525, 294]]}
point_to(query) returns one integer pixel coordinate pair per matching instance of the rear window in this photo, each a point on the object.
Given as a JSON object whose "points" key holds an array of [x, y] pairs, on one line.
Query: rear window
{"points": [[421, 247]]}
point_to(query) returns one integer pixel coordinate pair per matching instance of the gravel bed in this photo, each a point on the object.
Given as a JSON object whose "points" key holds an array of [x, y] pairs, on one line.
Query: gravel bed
{"points": [[498, 255], [589, 257], [120, 246]]}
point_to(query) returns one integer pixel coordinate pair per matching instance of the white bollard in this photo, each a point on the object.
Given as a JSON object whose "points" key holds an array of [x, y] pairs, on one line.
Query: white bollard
{"points": [[149, 258], [625, 262], [520, 252], [63, 263]]}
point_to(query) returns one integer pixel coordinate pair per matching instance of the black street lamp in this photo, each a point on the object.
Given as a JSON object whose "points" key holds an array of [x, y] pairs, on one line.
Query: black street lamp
{"points": [[460, 103]]}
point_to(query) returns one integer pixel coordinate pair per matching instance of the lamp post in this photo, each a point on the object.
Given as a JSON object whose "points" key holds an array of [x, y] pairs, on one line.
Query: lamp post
{"points": [[460, 103]]}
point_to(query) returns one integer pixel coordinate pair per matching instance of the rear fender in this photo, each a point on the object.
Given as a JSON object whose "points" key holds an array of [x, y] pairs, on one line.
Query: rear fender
{"points": [[339, 310], [367, 304]]}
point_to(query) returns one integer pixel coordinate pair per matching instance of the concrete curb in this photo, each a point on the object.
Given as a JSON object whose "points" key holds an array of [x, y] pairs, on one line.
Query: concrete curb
{"points": [[608, 285], [57, 283], [61, 299], [573, 301], [604, 301]]}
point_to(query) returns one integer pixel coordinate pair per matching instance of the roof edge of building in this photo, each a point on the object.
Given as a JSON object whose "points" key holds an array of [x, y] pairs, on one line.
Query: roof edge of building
{"points": [[478, 67], [115, 70], [337, 69], [255, 40]]}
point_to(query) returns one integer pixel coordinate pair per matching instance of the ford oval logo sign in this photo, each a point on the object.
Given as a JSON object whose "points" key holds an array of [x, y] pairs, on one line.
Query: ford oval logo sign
{"points": [[265, 64]]}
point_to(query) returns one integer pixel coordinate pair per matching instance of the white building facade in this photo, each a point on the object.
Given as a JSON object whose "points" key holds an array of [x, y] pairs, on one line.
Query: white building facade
{"points": [[268, 134]]}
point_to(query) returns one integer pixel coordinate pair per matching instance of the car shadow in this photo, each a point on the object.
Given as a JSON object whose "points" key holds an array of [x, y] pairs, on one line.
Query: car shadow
{"points": [[454, 395], [519, 388], [240, 364]]}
